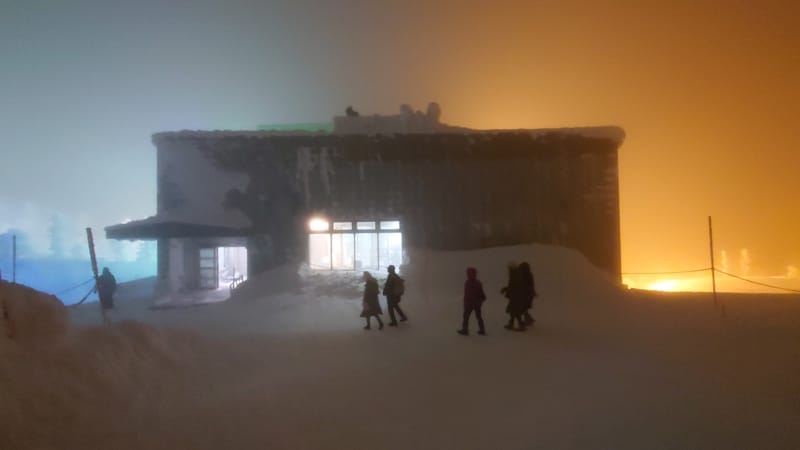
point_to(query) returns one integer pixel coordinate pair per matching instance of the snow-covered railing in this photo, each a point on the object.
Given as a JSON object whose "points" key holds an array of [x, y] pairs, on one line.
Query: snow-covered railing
{"points": [[236, 282]]}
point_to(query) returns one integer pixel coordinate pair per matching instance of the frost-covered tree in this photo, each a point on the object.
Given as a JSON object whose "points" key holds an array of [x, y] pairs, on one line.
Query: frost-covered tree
{"points": [[723, 261], [58, 232], [146, 252], [116, 249], [24, 245], [744, 262]]}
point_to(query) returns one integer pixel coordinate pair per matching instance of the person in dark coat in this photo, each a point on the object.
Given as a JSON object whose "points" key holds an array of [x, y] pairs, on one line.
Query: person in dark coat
{"points": [[106, 286], [393, 290], [529, 290], [515, 293], [370, 305], [473, 299]]}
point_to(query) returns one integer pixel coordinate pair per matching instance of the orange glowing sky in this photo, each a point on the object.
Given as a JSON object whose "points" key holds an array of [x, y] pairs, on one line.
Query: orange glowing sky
{"points": [[706, 90]]}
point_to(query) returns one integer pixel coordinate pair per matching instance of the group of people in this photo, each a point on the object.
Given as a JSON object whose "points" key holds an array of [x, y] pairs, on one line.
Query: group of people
{"points": [[393, 289], [520, 292]]}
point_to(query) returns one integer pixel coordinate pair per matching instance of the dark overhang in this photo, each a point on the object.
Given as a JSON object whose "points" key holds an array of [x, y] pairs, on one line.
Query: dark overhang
{"points": [[149, 230]]}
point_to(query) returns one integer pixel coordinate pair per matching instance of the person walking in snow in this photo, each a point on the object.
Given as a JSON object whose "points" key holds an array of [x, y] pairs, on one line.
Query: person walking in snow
{"points": [[393, 289], [370, 305], [473, 299], [106, 286], [515, 294], [529, 291]]}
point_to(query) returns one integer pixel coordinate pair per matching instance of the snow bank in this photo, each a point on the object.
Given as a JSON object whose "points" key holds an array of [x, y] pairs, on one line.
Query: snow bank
{"points": [[90, 388], [284, 364], [31, 316]]}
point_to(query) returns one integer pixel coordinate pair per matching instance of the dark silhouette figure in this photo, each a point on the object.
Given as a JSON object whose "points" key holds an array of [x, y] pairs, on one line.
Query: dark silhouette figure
{"points": [[393, 289], [473, 299], [350, 112], [515, 293], [529, 290], [106, 286], [370, 305]]}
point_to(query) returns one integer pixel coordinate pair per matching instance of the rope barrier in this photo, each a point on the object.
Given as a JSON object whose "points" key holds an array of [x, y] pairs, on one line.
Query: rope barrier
{"points": [[716, 270], [74, 287], [84, 297], [758, 283]]}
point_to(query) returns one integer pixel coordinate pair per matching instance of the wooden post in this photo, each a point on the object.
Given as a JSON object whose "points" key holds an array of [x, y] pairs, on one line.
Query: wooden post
{"points": [[90, 240], [14, 258], [713, 269]]}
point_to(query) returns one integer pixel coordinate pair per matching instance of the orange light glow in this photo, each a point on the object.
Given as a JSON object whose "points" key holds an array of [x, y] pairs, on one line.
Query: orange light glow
{"points": [[664, 285]]}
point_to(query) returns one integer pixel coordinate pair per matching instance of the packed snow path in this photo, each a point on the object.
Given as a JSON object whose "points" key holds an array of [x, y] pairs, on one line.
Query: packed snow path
{"points": [[285, 365]]}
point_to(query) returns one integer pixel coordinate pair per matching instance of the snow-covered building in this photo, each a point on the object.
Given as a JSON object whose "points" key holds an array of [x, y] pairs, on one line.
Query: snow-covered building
{"points": [[233, 203]]}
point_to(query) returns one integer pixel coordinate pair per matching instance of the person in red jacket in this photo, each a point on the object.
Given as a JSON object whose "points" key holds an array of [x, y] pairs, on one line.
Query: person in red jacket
{"points": [[473, 299]]}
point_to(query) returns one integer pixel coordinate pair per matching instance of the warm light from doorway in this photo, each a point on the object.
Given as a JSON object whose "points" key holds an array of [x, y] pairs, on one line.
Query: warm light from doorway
{"points": [[318, 224]]}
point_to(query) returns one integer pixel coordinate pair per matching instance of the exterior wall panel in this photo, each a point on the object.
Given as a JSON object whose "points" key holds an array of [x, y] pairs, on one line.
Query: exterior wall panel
{"points": [[451, 191]]}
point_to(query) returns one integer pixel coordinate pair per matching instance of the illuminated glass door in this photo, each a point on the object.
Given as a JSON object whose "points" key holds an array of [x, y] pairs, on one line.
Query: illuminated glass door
{"points": [[209, 270]]}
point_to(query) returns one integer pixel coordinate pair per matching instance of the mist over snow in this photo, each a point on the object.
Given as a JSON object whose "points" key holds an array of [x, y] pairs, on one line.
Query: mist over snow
{"points": [[53, 254], [285, 364]]}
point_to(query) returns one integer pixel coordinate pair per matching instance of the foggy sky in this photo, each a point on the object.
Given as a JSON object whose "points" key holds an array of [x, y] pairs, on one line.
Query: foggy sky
{"points": [[706, 91]]}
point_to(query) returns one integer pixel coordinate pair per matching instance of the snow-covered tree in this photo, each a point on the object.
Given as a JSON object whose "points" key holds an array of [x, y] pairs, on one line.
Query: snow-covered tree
{"points": [[146, 252], [723, 261], [58, 236], [744, 262], [24, 245], [116, 249]]}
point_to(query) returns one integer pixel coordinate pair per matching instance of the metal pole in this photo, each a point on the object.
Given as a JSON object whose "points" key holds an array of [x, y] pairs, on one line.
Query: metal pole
{"points": [[713, 269], [14, 258]]}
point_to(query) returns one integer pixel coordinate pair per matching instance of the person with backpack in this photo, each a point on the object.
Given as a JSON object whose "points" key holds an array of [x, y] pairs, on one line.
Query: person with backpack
{"points": [[393, 289], [370, 305], [529, 291], [515, 293], [106, 286], [473, 299]]}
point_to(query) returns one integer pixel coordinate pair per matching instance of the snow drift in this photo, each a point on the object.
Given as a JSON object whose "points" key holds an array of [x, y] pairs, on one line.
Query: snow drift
{"points": [[284, 364], [30, 316]]}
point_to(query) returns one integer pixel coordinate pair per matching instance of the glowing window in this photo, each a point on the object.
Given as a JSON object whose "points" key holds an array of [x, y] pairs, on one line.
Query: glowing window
{"points": [[366, 255], [318, 225], [343, 251], [390, 225], [342, 226], [367, 245], [390, 249], [319, 251]]}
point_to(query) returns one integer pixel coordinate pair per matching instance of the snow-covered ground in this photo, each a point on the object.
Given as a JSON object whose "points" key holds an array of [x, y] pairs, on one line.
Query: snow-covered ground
{"points": [[285, 364]]}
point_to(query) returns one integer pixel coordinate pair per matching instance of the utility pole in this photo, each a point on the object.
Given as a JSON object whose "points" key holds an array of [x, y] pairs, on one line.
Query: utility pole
{"points": [[713, 269]]}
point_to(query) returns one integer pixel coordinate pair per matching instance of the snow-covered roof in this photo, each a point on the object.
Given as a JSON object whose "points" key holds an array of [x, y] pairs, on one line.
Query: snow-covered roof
{"points": [[181, 224], [406, 121], [614, 133]]}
